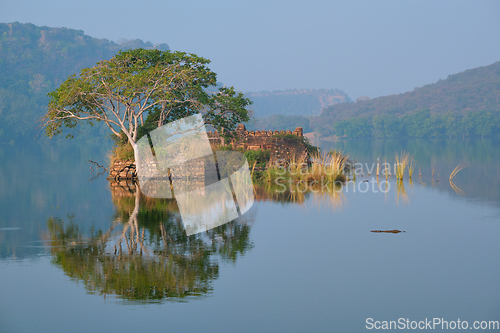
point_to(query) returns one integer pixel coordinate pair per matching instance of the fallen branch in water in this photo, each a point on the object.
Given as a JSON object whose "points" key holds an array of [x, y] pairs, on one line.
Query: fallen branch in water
{"points": [[98, 166]]}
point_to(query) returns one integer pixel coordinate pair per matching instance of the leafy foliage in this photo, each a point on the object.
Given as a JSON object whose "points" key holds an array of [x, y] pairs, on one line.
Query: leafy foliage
{"points": [[258, 157], [163, 86]]}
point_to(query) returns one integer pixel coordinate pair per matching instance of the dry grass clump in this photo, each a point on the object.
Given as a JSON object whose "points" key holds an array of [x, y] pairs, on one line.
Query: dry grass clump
{"points": [[402, 161], [122, 153], [323, 167], [329, 166]]}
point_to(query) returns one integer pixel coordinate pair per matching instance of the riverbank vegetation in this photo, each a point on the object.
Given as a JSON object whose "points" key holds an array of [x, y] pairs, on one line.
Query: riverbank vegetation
{"points": [[421, 124]]}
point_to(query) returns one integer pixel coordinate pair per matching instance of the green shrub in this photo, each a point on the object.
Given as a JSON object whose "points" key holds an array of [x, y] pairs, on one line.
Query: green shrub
{"points": [[258, 157]]}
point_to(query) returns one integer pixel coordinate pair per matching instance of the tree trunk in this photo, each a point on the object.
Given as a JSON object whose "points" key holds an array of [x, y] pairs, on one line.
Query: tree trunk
{"points": [[136, 157]]}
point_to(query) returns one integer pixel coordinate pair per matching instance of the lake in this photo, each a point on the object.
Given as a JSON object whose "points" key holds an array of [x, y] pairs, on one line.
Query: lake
{"points": [[73, 258]]}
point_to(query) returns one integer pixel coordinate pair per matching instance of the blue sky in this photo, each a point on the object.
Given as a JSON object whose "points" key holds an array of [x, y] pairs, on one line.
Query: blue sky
{"points": [[370, 48]]}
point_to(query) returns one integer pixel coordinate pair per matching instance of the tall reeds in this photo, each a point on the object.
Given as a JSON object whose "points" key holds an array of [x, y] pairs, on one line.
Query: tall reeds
{"points": [[402, 161], [387, 169], [411, 168], [325, 167], [272, 172], [329, 166]]}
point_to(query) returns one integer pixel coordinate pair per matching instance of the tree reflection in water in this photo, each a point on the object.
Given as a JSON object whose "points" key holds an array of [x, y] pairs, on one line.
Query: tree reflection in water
{"points": [[146, 254]]}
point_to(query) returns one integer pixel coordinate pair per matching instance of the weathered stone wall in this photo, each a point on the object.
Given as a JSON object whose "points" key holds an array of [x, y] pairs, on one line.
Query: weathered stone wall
{"points": [[251, 140], [122, 170], [283, 151], [127, 170], [193, 169]]}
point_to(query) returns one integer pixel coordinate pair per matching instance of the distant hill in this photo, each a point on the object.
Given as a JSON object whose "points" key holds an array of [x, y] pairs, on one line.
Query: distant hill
{"points": [[295, 102], [279, 122], [34, 60], [471, 98]]}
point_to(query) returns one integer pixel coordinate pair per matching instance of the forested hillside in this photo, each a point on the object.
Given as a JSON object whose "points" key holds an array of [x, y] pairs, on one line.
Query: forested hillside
{"points": [[35, 60], [466, 103], [295, 102], [279, 122]]}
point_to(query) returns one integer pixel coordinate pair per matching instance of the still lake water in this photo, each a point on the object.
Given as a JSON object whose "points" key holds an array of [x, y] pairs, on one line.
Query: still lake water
{"points": [[296, 262]]}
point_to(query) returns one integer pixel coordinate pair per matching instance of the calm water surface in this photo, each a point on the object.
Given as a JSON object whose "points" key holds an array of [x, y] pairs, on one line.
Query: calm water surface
{"points": [[73, 260]]}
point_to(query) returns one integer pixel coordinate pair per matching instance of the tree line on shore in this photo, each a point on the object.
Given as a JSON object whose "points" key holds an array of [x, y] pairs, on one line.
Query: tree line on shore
{"points": [[420, 124]]}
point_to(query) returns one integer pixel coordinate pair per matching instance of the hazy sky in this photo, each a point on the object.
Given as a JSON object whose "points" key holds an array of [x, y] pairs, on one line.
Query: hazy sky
{"points": [[368, 48]]}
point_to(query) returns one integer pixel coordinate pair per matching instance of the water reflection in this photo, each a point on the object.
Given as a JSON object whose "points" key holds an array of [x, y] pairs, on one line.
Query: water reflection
{"points": [[145, 254], [402, 195], [343, 265], [435, 159], [323, 193]]}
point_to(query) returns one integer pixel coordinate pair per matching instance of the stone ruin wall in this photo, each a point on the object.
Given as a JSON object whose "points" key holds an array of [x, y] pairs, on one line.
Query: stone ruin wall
{"points": [[283, 150], [122, 170]]}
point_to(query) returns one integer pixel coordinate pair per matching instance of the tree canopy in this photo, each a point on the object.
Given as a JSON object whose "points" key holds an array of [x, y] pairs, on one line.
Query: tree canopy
{"points": [[136, 84]]}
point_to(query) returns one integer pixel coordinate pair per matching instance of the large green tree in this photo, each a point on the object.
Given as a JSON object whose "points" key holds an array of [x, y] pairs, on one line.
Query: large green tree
{"points": [[134, 84]]}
